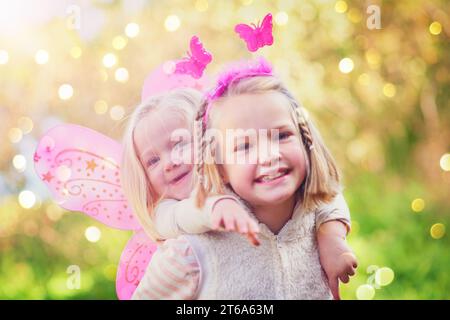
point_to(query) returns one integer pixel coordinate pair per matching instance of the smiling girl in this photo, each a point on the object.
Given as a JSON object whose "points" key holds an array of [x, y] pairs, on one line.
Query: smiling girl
{"points": [[292, 190]]}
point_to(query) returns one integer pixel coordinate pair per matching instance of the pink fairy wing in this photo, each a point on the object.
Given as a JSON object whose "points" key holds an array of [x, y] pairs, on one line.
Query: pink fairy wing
{"points": [[198, 52], [249, 35], [81, 168], [133, 263], [265, 31]]}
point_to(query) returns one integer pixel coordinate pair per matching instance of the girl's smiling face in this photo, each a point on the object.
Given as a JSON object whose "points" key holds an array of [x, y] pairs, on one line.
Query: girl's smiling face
{"points": [[164, 154], [279, 169]]}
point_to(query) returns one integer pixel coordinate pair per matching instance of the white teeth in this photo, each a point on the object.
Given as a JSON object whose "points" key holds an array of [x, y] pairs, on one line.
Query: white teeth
{"points": [[272, 176]]}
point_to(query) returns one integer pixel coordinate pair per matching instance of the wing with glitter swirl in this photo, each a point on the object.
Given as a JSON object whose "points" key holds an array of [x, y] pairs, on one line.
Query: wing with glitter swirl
{"points": [[81, 168], [133, 263]]}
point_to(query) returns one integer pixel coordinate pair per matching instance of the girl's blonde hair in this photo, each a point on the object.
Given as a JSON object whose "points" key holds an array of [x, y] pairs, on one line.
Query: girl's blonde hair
{"points": [[136, 186], [322, 181]]}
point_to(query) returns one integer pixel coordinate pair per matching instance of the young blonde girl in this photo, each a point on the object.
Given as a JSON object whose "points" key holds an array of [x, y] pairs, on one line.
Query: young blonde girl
{"points": [[157, 171], [286, 265]]}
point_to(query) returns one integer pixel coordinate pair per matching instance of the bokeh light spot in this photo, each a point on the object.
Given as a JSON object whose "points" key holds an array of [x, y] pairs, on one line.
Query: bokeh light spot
{"points": [[15, 135], [121, 75], [365, 292], [109, 60], [119, 42], [417, 205], [132, 30], [340, 6], [346, 65], [101, 107], [65, 92], [41, 57], [384, 276], [435, 28], [20, 162], [389, 90], [27, 199], [117, 113], [92, 234], [354, 15], [437, 230], [281, 18], [4, 57], [172, 23], [445, 162]]}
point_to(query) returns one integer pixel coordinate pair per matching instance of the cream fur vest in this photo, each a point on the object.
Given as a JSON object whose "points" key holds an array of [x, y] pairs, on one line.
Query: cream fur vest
{"points": [[284, 266]]}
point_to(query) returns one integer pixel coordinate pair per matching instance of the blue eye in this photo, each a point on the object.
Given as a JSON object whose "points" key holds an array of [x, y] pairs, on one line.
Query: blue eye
{"points": [[242, 147], [152, 161], [181, 144], [284, 135]]}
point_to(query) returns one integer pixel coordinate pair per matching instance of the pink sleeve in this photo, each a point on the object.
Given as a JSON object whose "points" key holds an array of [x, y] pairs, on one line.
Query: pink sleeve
{"points": [[173, 273]]}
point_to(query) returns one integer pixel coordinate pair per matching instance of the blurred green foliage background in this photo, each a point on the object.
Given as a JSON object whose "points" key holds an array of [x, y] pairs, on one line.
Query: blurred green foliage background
{"points": [[379, 96]]}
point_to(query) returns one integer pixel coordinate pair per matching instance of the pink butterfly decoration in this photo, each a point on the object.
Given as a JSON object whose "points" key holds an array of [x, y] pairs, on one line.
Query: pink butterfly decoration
{"points": [[196, 61], [81, 169], [256, 36]]}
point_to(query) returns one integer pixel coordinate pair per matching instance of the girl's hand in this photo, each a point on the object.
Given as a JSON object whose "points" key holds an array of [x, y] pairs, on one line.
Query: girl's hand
{"points": [[336, 257], [228, 215]]}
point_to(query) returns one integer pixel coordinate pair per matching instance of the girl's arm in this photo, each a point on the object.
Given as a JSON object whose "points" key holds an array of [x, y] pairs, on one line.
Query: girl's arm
{"points": [[174, 218], [173, 273], [224, 212], [336, 256], [337, 210]]}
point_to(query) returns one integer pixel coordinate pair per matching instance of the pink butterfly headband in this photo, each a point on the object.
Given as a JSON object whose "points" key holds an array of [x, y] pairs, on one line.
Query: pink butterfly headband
{"points": [[235, 73], [255, 36]]}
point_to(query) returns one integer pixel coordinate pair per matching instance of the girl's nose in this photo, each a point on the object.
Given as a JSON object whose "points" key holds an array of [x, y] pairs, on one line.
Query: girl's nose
{"points": [[168, 166], [171, 163], [269, 155]]}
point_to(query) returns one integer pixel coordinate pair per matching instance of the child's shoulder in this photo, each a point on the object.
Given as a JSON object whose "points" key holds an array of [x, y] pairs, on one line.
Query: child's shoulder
{"points": [[179, 254], [173, 272], [180, 246]]}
